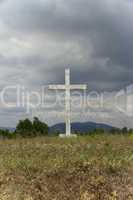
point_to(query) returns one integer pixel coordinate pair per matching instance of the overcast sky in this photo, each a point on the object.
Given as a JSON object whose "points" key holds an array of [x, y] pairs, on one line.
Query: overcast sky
{"points": [[40, 38]]}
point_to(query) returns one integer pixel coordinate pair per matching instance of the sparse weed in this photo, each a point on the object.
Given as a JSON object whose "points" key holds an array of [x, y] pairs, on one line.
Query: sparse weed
{"points": [[83, 168]]}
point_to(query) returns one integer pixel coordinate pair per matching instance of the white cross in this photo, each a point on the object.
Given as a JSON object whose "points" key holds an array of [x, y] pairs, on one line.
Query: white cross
{"points": [[67, 87]]}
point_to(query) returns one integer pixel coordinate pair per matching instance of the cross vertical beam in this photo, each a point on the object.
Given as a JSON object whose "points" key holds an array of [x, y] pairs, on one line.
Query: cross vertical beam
{"points": [[67, 102]]}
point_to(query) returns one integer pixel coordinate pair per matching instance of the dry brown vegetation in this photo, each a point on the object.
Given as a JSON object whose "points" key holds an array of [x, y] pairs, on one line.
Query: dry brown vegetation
{"points": [[85, 168]]}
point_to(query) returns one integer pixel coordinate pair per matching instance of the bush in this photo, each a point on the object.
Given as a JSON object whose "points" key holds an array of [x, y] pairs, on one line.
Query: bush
{"points": [[6, 134]]}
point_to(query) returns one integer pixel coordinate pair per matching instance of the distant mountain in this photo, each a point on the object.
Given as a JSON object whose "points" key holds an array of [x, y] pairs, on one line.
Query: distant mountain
{"points": [[76, 127], [7, 128], [80, 127]]}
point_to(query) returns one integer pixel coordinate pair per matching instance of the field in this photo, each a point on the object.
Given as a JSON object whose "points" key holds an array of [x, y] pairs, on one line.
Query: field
{"points": [[49, 168]]}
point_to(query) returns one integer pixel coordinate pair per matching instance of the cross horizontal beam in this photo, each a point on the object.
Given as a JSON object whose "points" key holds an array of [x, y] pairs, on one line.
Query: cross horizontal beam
{"points": [[78, 87], [70, 87], [57, 87]]}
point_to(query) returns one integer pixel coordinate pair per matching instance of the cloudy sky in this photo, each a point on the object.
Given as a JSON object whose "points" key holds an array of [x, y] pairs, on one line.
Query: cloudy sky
{"points": [[40, 38]]}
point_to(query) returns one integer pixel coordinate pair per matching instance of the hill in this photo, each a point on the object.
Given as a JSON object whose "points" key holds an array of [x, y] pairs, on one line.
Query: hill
{"points": [[80, 127]]}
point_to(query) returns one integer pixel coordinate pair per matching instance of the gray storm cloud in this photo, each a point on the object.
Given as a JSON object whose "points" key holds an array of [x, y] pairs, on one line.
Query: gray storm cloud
{"points": [[39, 39]]}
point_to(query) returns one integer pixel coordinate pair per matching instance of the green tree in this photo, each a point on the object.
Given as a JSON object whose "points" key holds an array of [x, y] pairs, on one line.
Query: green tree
{"points": [[24, 128], [39, 128], [125, 130]]}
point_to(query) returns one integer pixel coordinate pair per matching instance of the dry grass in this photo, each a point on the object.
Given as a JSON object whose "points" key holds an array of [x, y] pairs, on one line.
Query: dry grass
{"points": [[83, 168]]}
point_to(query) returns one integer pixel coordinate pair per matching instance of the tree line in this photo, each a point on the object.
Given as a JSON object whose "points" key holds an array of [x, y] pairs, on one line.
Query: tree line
{"points": [[123, 131], [28, 128]]}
